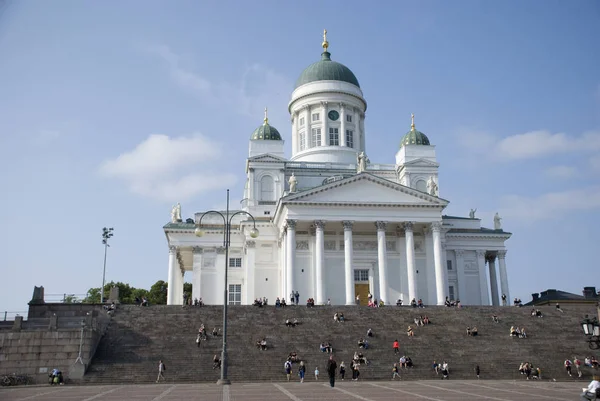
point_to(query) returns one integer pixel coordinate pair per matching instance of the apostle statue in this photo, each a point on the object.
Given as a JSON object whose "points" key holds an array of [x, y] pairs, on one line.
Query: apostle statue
{"points": [[362, 161], [497, 223], [472, 213], [176, 213], [293, 181], [432, 188]]}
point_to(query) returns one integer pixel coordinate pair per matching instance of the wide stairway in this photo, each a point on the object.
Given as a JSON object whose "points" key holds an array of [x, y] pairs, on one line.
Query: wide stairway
{"points": [[138, 337]]}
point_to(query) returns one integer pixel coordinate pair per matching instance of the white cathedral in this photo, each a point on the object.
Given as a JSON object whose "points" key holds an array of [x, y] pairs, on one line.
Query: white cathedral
{"points": [[333, 225]]}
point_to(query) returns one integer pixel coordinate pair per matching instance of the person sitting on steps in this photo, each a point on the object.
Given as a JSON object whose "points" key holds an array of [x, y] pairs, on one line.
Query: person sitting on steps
{"points": [[216, 362]]}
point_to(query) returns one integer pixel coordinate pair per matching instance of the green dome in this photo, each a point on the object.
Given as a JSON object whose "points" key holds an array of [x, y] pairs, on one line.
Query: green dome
{"points": [[266, 133], [326, 70], [414, 137]]}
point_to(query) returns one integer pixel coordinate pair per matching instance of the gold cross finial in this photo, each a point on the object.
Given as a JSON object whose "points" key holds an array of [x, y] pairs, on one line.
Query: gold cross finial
{"points": [[266, 120], [412, 123], [325, 43]]}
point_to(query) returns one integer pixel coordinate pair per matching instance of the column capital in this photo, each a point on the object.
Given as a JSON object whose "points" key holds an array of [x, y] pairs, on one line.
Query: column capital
{"points": [[480, 253], [291, 223], [436, 226], [173, 248], [221, 250], [459, 253], [197, 250], [501, 254], [324, 103], [342, 105], [490, 257], [347, 225], [319, 224], [250, 244], [408, 226], [381, 225]]}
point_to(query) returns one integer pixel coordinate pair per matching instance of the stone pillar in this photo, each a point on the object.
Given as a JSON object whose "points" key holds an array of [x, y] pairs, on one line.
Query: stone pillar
{"points": [[348, 262], [180, 285], [483, 287], [197, 253], [491, 259], [295, 121], [250, 273], [172, 278], [503, 275], [251, 187], [343, 125], [290, 256], [283, 249], [410, 261], [307, 132], [18, 323], [325, 136], [441, 274], [460, 275], [320, 260], [382, 261]]}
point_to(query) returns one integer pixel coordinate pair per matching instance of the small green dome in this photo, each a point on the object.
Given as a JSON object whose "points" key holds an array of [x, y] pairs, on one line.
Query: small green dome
{"points": [[414, 137], [326, 70], [266, 132]]}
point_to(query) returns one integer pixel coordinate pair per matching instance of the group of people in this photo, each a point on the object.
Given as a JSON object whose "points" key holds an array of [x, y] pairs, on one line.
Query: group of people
{"points": [[338, 317], [518, 332], [472, 331], [527, 369], [443, 368], [188, 301], [263, 302], [421, 320], [452, 303]]}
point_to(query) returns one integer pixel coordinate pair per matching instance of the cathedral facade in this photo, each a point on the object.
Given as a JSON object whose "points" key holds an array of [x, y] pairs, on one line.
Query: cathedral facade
{"points": [[331, 224]]}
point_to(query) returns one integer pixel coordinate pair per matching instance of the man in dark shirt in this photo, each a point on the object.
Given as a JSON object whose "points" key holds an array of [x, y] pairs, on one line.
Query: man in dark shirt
{"points": [[331, 369]]}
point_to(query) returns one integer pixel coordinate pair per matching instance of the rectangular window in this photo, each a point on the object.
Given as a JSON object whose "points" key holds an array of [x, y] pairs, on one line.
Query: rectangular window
{"points": [[235, 294], [349, 138], [235, 262], [301, 121], [315, 117], [349, 118], [316, 137], [451, 292], [267, 213], [334, 137], [302, 141], [361, 275], [449, 264]]}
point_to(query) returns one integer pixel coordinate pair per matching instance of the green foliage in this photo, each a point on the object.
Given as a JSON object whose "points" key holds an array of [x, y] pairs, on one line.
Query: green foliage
{"points": [[71, 299], [157, 295]]}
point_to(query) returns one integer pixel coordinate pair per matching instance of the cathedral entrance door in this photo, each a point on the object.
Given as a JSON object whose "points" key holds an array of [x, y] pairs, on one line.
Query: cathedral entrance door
{"points": [[363, 291]]}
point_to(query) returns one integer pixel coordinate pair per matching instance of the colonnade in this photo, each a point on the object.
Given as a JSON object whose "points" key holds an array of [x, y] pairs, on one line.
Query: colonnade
{"points": [[441, 278]]}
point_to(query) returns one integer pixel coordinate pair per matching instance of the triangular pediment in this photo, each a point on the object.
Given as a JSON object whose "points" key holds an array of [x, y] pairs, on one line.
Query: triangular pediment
{"points": [[421, 163], [366, 189], [267, 158]]}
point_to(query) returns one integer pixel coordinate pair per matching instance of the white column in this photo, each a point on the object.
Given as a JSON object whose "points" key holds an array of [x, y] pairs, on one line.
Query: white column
{"points": [[282, 259], [483, 287], [172, 278], [220, 276], [343, 124], [295, 128], [250, 273], [251, 187], [290, 256], [491, 259], [197, 272], [460, 275], [441, 275], [348, 262], [320, 256], [307, 130], [325, 133], [503, 275], [410, 261], [382, 261], [181, 281]]}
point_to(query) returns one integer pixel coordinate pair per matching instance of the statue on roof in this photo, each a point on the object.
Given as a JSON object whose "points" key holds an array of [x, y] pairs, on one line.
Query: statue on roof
{"points": [[497, 222], [472, 213], [361, 161], [293, 181], [176, 213], [432, 187]]}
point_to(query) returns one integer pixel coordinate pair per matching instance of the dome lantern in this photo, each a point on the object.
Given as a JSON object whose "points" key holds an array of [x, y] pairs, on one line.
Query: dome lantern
{"points": [[414, 137]]}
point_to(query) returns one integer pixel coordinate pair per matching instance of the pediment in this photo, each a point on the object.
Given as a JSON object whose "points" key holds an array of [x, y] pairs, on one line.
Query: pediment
{"points": [[421, 163], [365, 189], [267, 158]]}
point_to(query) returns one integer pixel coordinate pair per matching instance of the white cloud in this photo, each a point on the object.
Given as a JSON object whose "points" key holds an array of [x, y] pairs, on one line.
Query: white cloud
{"points": [[561, 171], [550, 205], [530, 145], [257, 87], [159, 167]]}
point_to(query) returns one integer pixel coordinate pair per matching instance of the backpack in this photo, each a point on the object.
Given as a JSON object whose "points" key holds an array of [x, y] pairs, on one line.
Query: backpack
{"points": [[164, 367]]}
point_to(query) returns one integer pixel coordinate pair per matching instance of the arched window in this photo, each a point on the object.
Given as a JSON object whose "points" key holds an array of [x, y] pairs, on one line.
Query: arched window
{"points": [[267, 188], [421, 185]]}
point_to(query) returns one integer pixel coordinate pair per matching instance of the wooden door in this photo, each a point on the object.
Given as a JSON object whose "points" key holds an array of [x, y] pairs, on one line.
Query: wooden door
{"points": [[363, 291]]}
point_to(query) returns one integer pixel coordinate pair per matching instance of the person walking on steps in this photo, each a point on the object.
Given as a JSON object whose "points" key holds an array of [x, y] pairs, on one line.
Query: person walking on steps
{"points": [[161, 369], [331, 370]]}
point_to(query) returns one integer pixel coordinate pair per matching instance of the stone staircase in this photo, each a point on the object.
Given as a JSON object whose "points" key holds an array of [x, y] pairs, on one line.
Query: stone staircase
{"points": [[138, 337]]}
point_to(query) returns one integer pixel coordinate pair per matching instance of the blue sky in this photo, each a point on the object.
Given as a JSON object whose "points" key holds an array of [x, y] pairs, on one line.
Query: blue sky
{"points": [[110, 113]]}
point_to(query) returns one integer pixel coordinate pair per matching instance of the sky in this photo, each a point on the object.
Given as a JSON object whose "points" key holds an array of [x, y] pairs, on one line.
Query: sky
{"points": [[112, 112]]}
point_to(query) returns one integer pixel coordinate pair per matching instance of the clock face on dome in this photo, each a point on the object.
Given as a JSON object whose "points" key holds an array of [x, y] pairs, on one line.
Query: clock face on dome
{"points": [[333, 115]]}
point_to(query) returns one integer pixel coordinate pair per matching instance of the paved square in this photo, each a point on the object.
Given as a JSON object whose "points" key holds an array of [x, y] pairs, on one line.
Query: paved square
{"points": [[308, 391]]}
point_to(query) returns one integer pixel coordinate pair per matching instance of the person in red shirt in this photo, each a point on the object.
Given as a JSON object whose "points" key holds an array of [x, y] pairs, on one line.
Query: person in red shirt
{"points": [[396, 347]]}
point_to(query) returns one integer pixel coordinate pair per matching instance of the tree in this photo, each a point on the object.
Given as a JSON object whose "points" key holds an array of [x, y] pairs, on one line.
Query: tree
{"points": [[158, 293], [71, 299]]}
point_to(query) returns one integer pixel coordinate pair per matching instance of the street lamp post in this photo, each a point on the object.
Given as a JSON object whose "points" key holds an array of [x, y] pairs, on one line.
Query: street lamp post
{"points": [[591, 328], [106, 234], [226, 242]]}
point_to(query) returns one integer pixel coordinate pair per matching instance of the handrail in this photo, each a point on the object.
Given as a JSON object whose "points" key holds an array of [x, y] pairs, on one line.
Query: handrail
{"points": [[10, 316]]}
